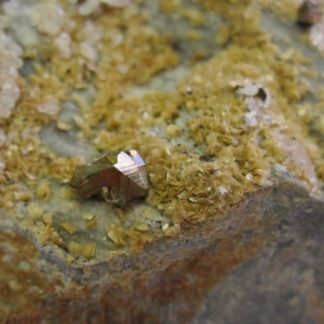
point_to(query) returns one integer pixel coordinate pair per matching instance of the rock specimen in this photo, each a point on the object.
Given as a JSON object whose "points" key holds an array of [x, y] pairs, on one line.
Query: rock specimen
{"points": [[226, 110]]}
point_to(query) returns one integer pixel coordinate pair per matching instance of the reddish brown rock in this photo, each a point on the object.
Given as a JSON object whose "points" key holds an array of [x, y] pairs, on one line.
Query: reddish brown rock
{"points": [[265, 254]]}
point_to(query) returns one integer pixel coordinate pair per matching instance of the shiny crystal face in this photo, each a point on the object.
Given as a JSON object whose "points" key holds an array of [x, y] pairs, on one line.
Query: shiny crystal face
{"points": [[118, 183], [133, 166]]}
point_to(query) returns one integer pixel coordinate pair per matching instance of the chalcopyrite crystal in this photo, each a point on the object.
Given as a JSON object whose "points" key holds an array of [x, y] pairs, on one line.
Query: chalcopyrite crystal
{"points": [[117, 177]]}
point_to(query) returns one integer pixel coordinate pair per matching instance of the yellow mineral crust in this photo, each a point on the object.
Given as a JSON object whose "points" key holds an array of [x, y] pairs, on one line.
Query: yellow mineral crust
{"points": [[201, 154], [87, 250]]}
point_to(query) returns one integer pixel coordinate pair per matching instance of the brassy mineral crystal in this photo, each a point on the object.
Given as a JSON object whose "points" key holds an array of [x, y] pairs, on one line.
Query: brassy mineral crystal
{"points": [[118, 177]]}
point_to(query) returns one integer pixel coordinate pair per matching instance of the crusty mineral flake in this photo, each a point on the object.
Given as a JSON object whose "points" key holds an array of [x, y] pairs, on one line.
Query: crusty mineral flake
{"points": [[119, 178]]}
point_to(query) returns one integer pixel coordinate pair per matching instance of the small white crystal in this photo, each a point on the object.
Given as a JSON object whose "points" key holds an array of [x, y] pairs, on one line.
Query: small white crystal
{"points": [[257, 98], [26, 35], [50, 107], [88, 7], [249, 90], [48, 18], [249, 176], [89, 51], [189, 90], [165, 226], [222, 190], [317, 36], [63, 44], [251, 118], [91, 32]]}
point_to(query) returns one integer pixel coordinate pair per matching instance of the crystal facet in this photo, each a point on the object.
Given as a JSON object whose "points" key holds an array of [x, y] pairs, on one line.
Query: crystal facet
{"points": [[118, 177]]}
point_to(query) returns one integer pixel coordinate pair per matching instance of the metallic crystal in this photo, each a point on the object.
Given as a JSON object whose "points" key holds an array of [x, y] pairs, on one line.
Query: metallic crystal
{"points": [[117, 177]]}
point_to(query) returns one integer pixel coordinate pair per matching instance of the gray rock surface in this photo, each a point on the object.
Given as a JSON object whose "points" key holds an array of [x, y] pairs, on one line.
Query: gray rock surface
{"points": [[261, 264]]}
